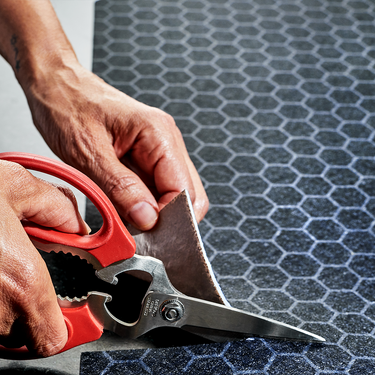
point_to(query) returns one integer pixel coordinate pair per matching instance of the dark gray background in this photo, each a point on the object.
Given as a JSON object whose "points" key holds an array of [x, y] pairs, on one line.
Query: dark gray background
{"points": [[275, 100]]}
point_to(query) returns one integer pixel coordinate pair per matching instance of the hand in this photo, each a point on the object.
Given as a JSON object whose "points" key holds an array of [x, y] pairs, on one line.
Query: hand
{"points": [[93, 126], [134, 152], [29, 313]]}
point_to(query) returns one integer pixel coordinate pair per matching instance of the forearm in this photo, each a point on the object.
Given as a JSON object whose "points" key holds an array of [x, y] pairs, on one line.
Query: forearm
{"points": [[91, 125], [32, 39]]}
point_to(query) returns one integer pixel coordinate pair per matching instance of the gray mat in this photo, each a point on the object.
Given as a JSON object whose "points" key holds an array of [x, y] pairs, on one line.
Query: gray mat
{"points": [[275, 100]]}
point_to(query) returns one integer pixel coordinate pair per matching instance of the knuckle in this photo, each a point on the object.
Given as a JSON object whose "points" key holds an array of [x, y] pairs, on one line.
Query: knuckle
{"points": [[201, 206], [171, 126], [48, 347], [18, 186], [164, 120], [24, 289], [67, 192], [168, 120], [117, 185], [25, 281], [14, 175], [6, 323], [11, 167], [11, 333], [204, 207], [57, 204]]}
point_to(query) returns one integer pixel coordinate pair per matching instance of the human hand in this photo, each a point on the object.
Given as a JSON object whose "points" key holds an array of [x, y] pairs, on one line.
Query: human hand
{"points": [[29, 312], [134, 152]]}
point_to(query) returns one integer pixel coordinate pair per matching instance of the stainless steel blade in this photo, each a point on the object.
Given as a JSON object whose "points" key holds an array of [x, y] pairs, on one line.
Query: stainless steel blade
{"points": [[164, 306], [220, 323], [210, 320]]}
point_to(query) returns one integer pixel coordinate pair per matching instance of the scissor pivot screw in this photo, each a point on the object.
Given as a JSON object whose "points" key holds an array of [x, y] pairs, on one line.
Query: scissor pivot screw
{"points": [[172, 310]]}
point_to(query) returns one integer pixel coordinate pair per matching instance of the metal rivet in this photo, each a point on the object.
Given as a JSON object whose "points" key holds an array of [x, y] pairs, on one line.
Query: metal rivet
{"points": [[172, 310]]}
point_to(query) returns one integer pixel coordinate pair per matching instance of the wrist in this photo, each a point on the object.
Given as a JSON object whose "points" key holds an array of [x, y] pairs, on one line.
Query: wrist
{"points": [[36, 68], [32, 40]]}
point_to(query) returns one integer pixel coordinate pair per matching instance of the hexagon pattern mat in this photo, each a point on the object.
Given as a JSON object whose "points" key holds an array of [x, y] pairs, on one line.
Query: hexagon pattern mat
{"points": [[275, 100]]}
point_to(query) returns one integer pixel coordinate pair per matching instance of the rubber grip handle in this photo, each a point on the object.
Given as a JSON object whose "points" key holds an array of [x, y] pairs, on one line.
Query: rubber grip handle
{"points": [[111, 243], [82, 326]]}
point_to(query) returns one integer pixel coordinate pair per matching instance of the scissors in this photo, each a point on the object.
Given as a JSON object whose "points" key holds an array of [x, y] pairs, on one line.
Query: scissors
{"points": [[111, 252]]}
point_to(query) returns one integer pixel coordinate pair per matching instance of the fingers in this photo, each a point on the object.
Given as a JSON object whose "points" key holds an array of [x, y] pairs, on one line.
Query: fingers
{"points": [[42, 320], [155, 168], [29, 313], [136, 201], [131, 197], [41, 202], [196, 190], [58, 208], [177, 172], [200, 202]]}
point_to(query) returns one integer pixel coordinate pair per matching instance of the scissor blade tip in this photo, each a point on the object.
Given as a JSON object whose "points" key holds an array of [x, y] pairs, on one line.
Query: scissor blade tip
{"points": [[319, 339], [290, 333], [310, 337]]}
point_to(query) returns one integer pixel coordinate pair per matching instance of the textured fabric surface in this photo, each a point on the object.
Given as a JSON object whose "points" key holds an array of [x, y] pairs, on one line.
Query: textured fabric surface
{"points": [[275, 100]]}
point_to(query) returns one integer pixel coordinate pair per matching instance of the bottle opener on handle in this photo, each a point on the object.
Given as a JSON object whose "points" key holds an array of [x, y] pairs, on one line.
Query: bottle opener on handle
{"points": [[112, 243]]}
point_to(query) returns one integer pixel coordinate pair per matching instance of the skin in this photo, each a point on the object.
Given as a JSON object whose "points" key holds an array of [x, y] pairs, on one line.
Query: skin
{"points": [[29, 313], [134, 152]]}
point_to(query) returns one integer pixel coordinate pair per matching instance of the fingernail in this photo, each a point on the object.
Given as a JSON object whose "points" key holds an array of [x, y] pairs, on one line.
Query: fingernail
{"points": [[143, 215], [88, 228]]}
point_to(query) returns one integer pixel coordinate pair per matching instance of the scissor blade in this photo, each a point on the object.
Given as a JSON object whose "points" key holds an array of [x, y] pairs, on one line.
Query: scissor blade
{"points": [[208, 319], [218, 322]]}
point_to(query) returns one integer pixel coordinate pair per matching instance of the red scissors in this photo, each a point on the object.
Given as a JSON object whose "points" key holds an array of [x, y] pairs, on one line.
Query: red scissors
{"points": [[111, 251]]}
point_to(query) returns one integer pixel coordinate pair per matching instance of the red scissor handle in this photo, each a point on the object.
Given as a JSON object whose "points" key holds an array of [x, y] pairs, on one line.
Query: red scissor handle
{"points": [[82, 328], [111, 243]]}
